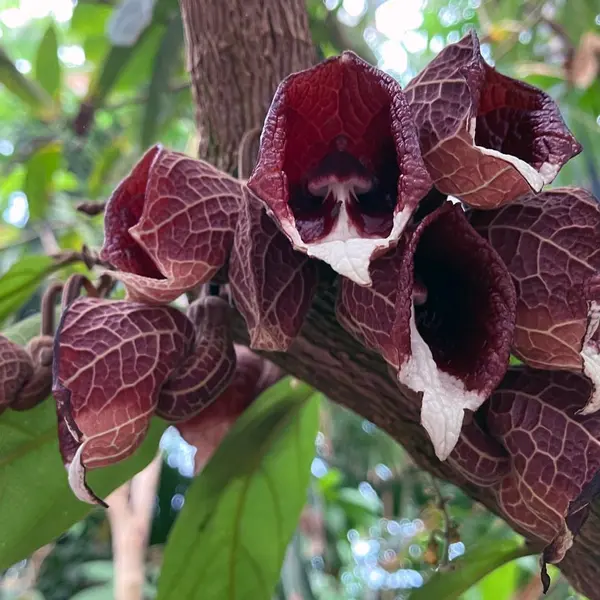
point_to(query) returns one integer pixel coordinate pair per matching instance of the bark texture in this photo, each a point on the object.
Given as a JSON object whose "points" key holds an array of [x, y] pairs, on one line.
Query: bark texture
{"points": [[237, 54], [238, 51]]}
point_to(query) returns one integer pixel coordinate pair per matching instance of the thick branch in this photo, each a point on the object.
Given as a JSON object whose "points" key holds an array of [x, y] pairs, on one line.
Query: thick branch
{"points": [[238, 51]]}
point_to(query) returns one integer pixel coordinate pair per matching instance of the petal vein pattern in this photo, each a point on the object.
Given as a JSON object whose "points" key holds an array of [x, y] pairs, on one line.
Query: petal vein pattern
{"points": [[169, 225], [110, 361], [339, 165], [208, 369], [485, 138], [441, 311], [272, 284], [550, 243]]}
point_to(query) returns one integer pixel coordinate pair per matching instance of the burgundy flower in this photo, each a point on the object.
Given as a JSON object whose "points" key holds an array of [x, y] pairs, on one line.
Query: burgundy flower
{"points": [[25, 373], [116, 363], [554, 453], [339, 165], [551, 245], [441, 311], [253, 375], [272, 284], [485, 138], [208, 370], [169, 225]]}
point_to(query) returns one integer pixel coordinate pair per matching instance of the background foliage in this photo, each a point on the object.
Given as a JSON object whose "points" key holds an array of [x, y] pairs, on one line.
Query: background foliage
{"points": [[86, 87]]}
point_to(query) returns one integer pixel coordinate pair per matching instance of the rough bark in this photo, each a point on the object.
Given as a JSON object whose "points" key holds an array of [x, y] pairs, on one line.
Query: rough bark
{"points": [[238, 51]]}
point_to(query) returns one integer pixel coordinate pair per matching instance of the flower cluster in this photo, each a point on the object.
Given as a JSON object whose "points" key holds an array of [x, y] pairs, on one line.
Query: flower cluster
{"points": [[448, 255]]}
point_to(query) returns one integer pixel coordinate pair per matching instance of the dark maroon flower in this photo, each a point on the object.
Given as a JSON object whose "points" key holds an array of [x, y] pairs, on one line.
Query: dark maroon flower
{"points": [[478, 457], [554, 453], [485, 138], [169, 225], [25, 373], [253, 375], [110, 361], [118, 363], [272, 284], [15, 370], [339, 165], [551, 245], [441, 311], [208, 370]]}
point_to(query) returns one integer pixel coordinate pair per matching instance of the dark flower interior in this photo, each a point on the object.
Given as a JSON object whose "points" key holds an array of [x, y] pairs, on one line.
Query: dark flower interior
{"points": [[123, 211], [336, 152], [457, 317], [513, 118]]}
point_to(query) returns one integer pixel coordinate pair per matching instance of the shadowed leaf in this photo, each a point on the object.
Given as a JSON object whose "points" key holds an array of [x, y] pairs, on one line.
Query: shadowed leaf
{"points": [[36, 504], [20, 282], [241, 511], [468, 569], [47, 65]]}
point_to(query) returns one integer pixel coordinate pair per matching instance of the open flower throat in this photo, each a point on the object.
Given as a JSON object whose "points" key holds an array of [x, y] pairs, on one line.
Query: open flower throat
{"points": [[342, 198], [354, 172]]}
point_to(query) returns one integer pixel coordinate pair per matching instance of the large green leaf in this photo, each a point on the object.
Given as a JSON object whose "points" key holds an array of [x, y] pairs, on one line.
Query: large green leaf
{"points": [[36, 503], [30, 92], [501, 584], [124, 66], [47, 66], [467, 570], [20, 282], [38, 186], [167, 59], [240, 513], [105, 164]]}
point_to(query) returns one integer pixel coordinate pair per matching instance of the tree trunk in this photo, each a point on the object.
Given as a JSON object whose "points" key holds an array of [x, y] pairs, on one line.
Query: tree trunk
{"points": [[238, 51]]}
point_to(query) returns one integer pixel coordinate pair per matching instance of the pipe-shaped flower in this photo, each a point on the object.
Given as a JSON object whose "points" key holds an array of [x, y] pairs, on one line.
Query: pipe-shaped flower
{"points": [[339, 165], [485, 138], [117, 363], [441, 311], [550, 243]]}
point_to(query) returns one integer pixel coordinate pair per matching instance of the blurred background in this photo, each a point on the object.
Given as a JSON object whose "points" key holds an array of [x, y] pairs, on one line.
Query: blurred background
{"points": [[85, 87]]}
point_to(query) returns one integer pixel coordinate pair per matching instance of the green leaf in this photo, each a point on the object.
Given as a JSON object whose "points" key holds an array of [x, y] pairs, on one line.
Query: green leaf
{"points": [[36, 503], [124, 64], [89, 19], [104, 166], [20, 282], [47, 66], [241, 511], [500, 584], [166, 60], [38, 186], [465, 571], [30, 92]]}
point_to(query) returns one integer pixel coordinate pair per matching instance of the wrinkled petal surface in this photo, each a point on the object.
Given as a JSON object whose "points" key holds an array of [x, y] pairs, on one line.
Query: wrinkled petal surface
{"points": [[16, 369], [253, 375], [272, 284], [447, 324], [485, 138], [551, 245], [110, 361], [554, 453], [169, 225], [339, 164], [208, 370]]}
